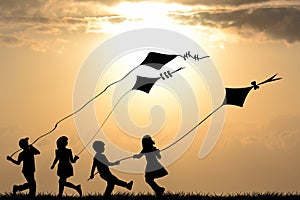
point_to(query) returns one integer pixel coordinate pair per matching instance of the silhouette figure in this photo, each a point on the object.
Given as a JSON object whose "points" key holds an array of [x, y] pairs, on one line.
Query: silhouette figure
{"points": [[27, 157], [65, 169], [101, 163], [153, 168]]}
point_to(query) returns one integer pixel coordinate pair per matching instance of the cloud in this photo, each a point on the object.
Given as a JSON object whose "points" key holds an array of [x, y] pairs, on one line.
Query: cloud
{"points": [[184, 2], [281, 133], [276, 23], [34, 32], [11, 40], [219, 2], [103, 2], [36, 23], [16, 41]]}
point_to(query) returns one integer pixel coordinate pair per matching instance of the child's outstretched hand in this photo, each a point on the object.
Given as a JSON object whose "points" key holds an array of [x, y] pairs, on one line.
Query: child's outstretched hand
{"points": [[117, 162], [76, 158], [135, 156], [91, 176]]}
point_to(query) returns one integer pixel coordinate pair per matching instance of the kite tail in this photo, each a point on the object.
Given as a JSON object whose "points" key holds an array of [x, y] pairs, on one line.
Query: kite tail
{"points": [[271, 79], [85, 146], [78, 110], [169, 74], [194, 57]]}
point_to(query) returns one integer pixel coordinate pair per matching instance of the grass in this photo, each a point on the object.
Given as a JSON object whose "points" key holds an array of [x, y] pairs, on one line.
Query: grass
{"points": [[130, 196]]}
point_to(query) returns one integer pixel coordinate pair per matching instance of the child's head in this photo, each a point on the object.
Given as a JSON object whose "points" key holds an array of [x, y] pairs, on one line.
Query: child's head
{"points": [[62, 142], [23, 143], [147, 142], [98, 146]]}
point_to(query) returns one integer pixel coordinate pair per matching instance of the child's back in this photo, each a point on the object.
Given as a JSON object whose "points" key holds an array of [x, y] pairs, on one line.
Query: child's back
{"points": [[101, 165], [64, 157]]}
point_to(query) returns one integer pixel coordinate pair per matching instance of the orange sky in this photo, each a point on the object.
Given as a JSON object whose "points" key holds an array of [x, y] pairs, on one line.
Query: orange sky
{"points": [[44, 43]]}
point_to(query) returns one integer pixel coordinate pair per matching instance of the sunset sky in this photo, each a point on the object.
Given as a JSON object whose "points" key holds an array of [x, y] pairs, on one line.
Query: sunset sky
{"points": [[43, 44]]}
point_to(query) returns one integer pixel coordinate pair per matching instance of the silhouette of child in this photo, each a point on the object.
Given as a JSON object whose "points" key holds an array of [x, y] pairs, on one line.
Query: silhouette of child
{"points": [[101, 162], [65, 169], [153, 168], [27, 156]]}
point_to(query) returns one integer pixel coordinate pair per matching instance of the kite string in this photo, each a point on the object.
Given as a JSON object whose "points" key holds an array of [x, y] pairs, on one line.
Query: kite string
{"points": [[85, 146], [186, 134], [78, 110]]}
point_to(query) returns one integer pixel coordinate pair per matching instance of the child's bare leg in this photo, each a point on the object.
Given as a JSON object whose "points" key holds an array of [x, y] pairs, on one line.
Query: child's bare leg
{"points": [[31, 183], [113, 179], [157, 189], [109, 188], [75, 187], [62, 182]]}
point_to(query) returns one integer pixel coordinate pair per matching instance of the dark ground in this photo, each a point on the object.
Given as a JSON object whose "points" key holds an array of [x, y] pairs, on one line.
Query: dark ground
{"points": [[129, 196]]}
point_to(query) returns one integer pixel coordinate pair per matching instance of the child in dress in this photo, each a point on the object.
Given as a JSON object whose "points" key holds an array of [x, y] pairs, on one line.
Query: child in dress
{"points": [[153, 168], [65, 170], [28, 169], [101, 163]]}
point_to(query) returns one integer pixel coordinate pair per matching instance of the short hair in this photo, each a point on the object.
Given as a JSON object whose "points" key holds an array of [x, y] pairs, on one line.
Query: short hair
{"points": [[97, 145], [23, 142]]}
